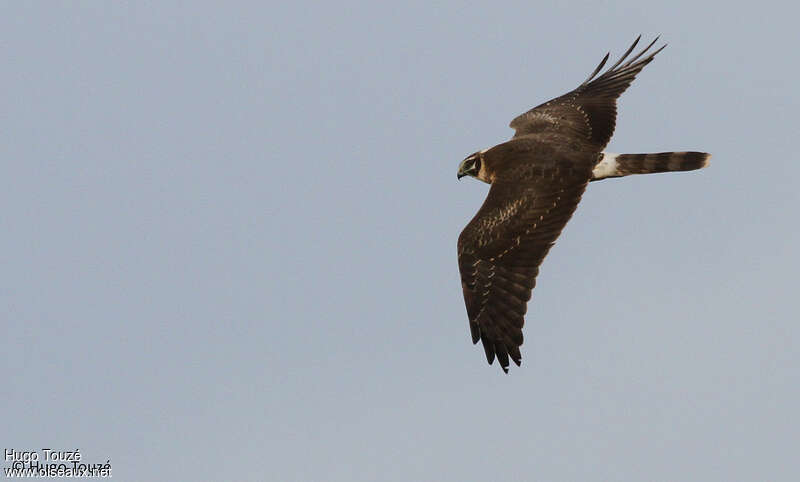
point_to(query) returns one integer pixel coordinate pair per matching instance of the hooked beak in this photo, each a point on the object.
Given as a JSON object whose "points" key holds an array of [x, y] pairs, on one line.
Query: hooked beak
{"points": [[465, 167]]}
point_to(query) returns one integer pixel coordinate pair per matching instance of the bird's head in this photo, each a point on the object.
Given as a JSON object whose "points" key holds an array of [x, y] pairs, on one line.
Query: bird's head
{"points": [[471, 166]]}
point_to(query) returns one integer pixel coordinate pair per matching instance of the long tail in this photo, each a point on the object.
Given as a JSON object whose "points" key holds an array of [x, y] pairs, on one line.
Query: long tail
{"points": [[618, 165]]}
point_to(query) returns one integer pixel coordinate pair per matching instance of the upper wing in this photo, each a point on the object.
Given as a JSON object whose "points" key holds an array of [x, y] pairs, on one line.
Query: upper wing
{"points": [[500, 250], [590, 111]]}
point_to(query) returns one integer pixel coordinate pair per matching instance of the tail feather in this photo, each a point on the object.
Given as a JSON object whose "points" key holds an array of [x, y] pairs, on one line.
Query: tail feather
{"points": [[617, 165]]}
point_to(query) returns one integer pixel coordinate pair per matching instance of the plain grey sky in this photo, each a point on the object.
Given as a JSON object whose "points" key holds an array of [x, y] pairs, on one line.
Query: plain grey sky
{"points": [[228, 243]]}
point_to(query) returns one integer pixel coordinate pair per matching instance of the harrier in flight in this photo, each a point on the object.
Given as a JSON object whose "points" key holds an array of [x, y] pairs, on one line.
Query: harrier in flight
{"points": [[537, 179]]}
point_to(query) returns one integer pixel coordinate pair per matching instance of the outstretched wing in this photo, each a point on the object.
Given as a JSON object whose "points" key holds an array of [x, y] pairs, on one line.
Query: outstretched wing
{"points": [[590, 111], [500, 250]]}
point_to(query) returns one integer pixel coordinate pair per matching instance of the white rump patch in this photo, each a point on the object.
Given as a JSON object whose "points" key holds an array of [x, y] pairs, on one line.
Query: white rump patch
{"points": [[607, 167]]}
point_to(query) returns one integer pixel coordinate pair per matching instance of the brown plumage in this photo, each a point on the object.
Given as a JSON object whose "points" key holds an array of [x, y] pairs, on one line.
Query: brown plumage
{"points": [[538, 178]]}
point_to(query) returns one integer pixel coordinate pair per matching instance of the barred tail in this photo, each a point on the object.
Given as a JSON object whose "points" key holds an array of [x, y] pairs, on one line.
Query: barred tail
{"points": [[617, 165]]}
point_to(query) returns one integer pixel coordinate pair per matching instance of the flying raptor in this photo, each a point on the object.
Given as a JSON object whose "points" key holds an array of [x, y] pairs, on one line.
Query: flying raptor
{"points": [[537, 179]]}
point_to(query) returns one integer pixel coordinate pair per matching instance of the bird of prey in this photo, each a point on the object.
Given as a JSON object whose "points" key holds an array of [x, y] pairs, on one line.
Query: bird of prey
{"points": [[537, 179]]}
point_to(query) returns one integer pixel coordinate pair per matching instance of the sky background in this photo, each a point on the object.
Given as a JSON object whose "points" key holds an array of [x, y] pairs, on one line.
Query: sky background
{"points": [[228, 244]]}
